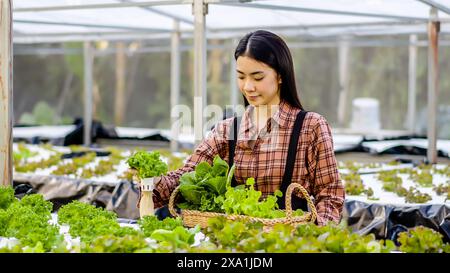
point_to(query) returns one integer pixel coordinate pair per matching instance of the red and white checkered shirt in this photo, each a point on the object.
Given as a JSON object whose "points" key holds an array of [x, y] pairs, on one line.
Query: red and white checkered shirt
{"points": [[263, 156]]}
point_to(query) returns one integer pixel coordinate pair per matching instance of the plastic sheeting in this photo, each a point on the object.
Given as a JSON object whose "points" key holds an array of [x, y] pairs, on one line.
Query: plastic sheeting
{"points": [[387, 221], [308, 18], [119, 197]]}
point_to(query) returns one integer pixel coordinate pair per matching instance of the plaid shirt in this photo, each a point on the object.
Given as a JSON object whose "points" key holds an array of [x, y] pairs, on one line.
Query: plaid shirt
{"points": [[263, 156]]}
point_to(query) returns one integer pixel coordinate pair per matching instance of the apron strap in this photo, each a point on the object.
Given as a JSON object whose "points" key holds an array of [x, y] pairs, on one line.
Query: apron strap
{"points": [[232, 145], [297, 203]]}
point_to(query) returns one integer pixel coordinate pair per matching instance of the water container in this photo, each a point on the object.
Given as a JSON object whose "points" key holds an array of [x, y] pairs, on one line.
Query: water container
{"points": [[365, 115]]}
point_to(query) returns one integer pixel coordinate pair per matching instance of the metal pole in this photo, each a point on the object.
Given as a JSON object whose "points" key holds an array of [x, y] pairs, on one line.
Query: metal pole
{"points": [[119, 100], [233, 77], [175, 84], [88, 79], [436, 5], [6, 87], [412, 75], [323, 11], [199, 10], [343, 53], [433, 84]]}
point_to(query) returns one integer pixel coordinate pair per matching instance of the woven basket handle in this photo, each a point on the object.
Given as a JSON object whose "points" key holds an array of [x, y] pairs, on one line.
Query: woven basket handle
{"points": [[305, 194], [172, 202]]}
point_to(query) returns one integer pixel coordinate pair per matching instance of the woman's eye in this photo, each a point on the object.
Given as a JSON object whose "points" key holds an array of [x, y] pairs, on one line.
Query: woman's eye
{"points": [[241, 78], [258, 79]]}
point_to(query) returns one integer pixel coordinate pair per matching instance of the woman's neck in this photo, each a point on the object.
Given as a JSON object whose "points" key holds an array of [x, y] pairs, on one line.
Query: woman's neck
{"points": [[262, 114]]}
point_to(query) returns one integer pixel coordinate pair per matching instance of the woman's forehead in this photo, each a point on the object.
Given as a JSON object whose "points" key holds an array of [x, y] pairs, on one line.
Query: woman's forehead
{"points": [[246, 65]]}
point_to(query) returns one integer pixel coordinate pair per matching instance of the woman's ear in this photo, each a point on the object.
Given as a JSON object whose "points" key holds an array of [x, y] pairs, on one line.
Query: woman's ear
{"points": [[279, 79]]}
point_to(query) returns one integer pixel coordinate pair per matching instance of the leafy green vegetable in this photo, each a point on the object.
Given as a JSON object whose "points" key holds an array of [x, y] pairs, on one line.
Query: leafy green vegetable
{"points": [[76, 211], [202, 170], [208, 188], [42, 164], [150, 223], [27, 220], [245, 200], [193, 193], [23, 153], [353, 184], [422, 240], [89, 222], [443, 189], [415, 196], [178, 238], [6, 197], [148, 164], [202, 187], [114, 244], [424, 178], [219, 168], [38, 204], [76, 164], [240, 236]]}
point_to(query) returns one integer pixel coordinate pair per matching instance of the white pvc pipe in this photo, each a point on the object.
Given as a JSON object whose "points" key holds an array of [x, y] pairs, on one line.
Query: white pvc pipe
{"points": [[199, 68], [412, 79], [233, 76], [343, 54], [88, 83], [175, 84]]}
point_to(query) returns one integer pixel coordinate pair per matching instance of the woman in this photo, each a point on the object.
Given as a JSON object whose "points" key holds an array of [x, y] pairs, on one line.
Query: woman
{"points": [[266, 79]]}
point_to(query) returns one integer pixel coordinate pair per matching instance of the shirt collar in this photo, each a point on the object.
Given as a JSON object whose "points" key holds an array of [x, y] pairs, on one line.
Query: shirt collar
{"points": [[284, 114], [247, 130]]}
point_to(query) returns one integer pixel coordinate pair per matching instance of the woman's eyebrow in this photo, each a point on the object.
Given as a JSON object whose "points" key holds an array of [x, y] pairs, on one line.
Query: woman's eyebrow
{"points": [[253, 73]]}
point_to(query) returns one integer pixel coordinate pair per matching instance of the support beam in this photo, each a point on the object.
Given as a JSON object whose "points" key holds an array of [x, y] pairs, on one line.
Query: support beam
{"points": [[412, 79], [200, 11], [325, 11], [343, 54], [233, 76], [100, 6], [163, 13], [88, 92], [436, 5], [6, 94], [433, 84], [87, 25], [175, 60], [120, 97]]}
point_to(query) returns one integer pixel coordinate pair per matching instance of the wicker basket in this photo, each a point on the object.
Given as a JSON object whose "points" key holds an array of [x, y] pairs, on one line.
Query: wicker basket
{"points": [[191, 218]]}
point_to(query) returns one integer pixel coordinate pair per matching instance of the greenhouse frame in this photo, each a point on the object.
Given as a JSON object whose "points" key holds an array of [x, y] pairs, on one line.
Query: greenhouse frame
{"points": [[24, 21]]}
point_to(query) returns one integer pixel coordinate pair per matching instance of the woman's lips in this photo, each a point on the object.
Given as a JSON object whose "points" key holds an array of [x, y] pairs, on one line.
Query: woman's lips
{"points": [[253, 97]]}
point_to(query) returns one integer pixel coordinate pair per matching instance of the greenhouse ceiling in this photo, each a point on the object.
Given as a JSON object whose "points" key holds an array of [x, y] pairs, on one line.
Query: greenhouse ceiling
{"points": [[83, 20]]}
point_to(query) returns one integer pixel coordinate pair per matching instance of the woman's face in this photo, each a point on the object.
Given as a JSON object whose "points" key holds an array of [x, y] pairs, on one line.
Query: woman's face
{"points": [[258, 82]]}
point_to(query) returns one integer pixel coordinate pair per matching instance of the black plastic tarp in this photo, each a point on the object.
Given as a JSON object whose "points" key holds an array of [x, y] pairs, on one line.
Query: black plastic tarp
{"points": [[386, 221], [120, 197]]}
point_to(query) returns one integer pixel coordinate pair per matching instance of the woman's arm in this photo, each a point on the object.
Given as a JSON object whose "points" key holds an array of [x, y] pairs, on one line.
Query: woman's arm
{"points": [[214, 144], [327, 187]]}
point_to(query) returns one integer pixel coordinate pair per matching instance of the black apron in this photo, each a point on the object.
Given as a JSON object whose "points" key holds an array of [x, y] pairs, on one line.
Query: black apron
{"points": [[297, 203]]}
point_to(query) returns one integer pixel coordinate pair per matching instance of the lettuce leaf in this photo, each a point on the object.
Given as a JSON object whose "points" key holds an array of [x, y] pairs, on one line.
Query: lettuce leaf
{"points": [[220, 167], [201, 170], [192, 193]]}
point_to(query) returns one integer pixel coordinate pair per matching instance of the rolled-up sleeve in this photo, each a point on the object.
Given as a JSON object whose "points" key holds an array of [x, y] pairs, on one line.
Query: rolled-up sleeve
{"points": [[214, 144], [328, 190]]}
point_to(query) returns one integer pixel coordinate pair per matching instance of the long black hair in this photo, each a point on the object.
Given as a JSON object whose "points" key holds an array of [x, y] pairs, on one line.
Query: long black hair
{"points": [[268, 48]]}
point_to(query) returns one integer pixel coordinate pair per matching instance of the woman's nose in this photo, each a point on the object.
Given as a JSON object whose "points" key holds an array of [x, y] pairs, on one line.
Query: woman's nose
{"points": [[249, 86]]}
